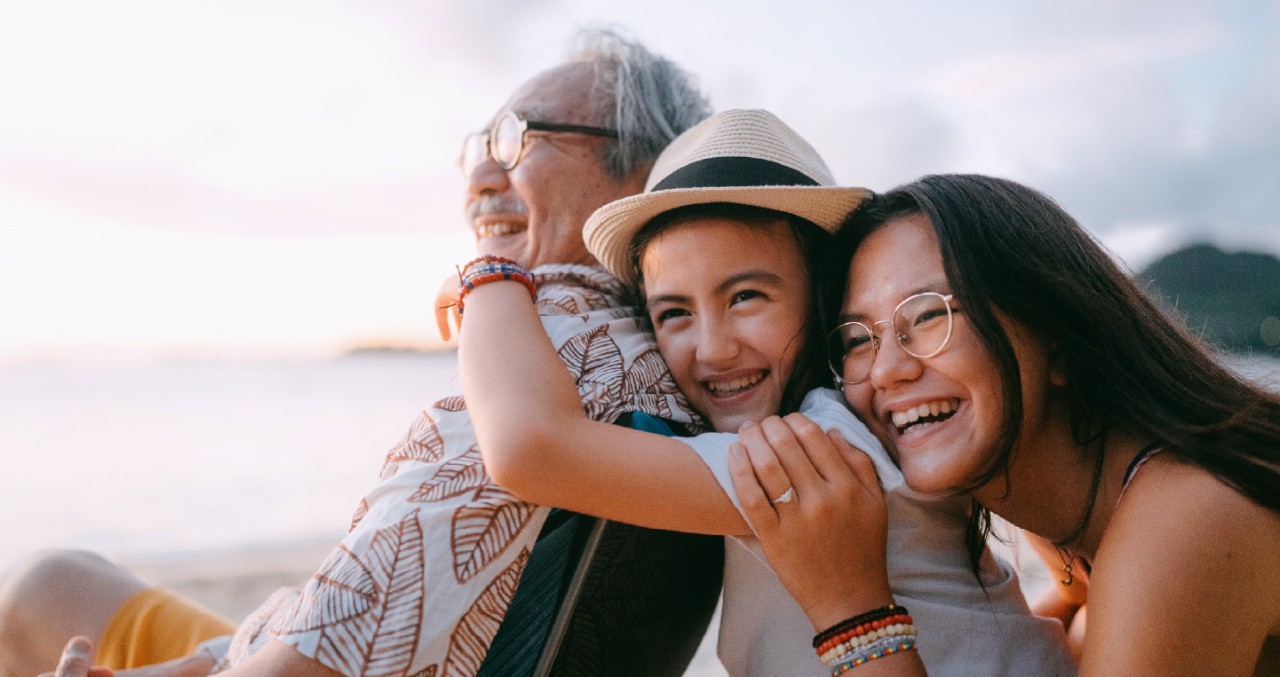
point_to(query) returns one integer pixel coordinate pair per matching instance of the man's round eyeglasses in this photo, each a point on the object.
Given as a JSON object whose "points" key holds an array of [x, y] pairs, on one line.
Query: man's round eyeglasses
{"points": [[921, 324], [504, 141]]}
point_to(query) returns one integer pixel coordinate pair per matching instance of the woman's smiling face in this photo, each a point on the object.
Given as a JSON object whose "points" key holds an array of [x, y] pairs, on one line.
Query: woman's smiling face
{"points": [[729, 304], [940, 417]]}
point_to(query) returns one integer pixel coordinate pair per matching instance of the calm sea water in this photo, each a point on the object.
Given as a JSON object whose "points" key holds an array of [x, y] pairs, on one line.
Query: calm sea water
{"points": [[198, 456]]}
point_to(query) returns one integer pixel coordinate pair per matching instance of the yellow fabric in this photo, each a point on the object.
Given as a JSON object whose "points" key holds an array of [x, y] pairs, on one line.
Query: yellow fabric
{"points": [[154, 626]]}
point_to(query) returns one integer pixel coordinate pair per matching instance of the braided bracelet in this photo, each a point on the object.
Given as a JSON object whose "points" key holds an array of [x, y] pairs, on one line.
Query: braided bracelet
{"points": [[492, 269], [486, 258]]}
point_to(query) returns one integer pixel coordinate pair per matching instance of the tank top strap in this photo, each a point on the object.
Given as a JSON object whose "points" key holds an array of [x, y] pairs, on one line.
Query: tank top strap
{"points": [[1144, 455]]}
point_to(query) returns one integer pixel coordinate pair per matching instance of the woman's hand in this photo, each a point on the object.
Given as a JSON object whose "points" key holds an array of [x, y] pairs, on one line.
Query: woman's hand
{"points": [[827, 543]]}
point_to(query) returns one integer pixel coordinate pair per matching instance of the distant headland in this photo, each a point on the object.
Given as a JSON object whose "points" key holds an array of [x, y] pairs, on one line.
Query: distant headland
{"points": [[1231, 299], [377, 350]]}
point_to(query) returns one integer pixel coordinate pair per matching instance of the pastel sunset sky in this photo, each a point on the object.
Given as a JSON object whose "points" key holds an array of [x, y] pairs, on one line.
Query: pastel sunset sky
{"points": [[277, 178]]}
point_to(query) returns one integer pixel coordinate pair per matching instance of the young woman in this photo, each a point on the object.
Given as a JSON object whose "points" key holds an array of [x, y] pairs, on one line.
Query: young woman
{"points": [[725, 245], [1045, 386]]}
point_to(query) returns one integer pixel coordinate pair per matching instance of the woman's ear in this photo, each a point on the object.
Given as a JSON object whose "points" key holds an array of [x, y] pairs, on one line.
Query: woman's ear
{"points": [[1057, 365]]}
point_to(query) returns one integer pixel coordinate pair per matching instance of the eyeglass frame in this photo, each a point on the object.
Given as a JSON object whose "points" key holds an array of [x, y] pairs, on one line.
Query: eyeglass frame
{"points": [[875, 338], [525, 126]]}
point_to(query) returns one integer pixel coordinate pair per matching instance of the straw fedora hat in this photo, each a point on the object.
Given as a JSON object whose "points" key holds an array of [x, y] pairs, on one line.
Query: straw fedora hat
{"points": [[746, 157]]}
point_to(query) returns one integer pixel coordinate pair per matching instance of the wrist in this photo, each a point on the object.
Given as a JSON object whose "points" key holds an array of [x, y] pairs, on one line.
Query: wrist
{"points": [[486, 269], [836, 607]]}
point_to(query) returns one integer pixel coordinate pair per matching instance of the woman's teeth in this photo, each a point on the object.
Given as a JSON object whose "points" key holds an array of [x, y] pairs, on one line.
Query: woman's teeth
{"points": [[923, 414], [733, 385]]}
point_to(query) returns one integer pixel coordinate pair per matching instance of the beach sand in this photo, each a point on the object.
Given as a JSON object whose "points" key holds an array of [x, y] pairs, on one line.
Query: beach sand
{"points": [[234, 583]]}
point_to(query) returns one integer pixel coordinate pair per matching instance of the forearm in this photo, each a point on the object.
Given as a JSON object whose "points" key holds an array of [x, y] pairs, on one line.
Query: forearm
{"points": [[519, 395], [537, 441]]}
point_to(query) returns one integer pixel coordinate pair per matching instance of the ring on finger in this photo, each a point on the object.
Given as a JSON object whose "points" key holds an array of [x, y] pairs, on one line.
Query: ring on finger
{"points": [[787, 496]]}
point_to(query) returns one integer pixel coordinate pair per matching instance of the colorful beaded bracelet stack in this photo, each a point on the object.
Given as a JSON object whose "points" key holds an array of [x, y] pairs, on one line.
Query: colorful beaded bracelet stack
{"points": [[866, 637], [892, 626], [850, 623], [487, 269]]}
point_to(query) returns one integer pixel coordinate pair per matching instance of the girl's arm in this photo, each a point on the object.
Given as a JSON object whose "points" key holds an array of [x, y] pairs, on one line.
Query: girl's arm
{"points": [[537, 441], [1185, 580], [827, 544]]}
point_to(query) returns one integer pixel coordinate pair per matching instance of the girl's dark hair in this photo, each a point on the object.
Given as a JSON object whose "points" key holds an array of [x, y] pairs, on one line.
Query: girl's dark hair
{"points": [[1129, 367], [814, 242]]}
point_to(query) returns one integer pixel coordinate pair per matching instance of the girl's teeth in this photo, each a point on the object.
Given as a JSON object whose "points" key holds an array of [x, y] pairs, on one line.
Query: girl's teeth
{"points": [[721, 387]]}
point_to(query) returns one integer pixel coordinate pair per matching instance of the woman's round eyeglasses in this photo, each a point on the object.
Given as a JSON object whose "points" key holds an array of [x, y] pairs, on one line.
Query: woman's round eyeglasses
{"points": [[504, 141], [921, 324]]}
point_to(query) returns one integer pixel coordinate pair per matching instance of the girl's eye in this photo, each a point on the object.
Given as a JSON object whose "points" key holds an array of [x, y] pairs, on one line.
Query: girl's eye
{"points": [[746, 295], [668, 314]]}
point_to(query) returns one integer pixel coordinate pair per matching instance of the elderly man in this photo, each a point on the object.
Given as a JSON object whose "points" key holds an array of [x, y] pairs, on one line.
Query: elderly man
{"points": [[426, 576]]}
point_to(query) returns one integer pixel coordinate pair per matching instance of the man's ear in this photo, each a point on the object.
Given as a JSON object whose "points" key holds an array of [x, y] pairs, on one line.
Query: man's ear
{"points": [[1057, 365]]}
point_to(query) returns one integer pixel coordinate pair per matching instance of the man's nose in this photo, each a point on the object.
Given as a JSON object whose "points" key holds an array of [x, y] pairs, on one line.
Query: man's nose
{"points": [[487, 177]]}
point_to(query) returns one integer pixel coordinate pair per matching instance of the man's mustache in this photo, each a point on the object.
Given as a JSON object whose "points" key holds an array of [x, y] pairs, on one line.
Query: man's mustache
{"points": [[495, 204]]}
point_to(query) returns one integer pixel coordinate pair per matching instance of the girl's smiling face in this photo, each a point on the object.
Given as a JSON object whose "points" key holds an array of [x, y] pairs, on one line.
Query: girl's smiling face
{"points": [[729, 304], [940, 417]]}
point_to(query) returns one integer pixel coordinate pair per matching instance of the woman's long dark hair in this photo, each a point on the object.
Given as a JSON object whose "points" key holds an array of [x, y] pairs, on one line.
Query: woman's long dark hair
{"points": [[1129, 367], [815, 248]]}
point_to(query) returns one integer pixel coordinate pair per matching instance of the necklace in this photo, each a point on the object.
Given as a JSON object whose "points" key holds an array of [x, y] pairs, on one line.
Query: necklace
{"points": [[1069, 557], [1068, 560]]}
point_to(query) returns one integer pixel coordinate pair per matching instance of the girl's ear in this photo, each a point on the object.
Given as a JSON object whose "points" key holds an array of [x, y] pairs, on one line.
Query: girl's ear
{"points": [[1057, 365]]}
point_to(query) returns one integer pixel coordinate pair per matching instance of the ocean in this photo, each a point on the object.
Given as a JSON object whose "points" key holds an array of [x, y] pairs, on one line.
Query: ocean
{"points": [[198, 456]]}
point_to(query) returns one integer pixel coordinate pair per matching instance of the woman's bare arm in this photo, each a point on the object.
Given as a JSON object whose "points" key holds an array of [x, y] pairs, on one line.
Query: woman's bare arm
{"points": [[537, 441], [1185, 581]]}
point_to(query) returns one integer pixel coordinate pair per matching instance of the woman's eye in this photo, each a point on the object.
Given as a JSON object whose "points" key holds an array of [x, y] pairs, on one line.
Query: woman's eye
{"points": [[746, 295], [668, 314]]}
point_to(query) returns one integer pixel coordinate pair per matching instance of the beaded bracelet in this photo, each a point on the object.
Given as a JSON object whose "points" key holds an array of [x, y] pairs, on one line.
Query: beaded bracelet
{"points": [[861, 619], [857, 643], [863, 630], [865, 650], [492, 269], [843, 667]]}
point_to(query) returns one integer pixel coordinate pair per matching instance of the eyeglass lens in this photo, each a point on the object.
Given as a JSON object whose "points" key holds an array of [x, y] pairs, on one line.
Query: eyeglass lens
{"points": [[504, 141], [507, 140], [921, 325]]}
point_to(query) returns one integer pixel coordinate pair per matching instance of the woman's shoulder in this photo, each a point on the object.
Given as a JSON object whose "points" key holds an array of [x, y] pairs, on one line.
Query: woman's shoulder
{"points": [[1167, 489], [1180, 526]]}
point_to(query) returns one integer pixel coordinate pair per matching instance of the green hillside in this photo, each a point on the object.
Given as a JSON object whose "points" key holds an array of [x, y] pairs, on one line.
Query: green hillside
{"points": [[1231, 299]]}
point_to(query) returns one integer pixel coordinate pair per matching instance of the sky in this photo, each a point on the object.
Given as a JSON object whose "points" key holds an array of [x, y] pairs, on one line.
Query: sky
{"points": [[277, 178]]}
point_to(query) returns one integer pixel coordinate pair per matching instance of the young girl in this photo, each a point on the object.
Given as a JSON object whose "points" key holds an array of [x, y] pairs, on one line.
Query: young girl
{"points": [[724, 244], [1046, 387]]}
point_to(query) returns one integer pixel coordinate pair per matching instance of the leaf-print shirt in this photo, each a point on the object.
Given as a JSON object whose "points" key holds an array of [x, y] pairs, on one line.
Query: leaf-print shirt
{"points": [[420, 583]]}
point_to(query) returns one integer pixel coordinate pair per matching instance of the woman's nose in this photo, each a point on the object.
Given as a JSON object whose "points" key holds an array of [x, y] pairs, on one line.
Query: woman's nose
{"points": [[892, 363]]}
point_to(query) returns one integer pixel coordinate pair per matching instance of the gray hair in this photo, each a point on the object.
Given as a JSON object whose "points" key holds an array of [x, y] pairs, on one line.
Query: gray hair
{"points": [[654, 99]]}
